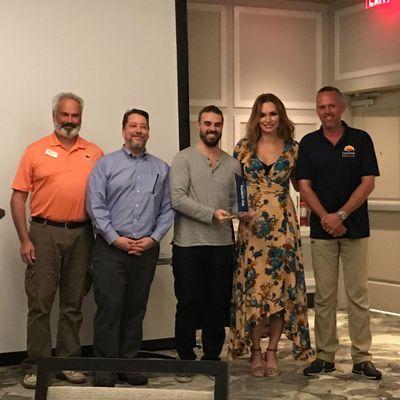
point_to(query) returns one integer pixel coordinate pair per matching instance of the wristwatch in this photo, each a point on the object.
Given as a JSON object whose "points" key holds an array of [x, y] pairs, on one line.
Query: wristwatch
{"points": [[342, 215], [155, 243]]}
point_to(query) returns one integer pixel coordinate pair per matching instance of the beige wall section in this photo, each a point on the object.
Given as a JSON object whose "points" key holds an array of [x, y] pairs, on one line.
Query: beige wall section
{"points": [[116, 55], [382, 121], [272, 49], [366, 46], [383, 261], [366, 52], [204, 47], [207, 62]]}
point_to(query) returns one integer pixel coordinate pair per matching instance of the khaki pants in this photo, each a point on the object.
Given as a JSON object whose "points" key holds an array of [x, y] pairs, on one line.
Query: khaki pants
{"points": [[325, 258], [62, 262]]}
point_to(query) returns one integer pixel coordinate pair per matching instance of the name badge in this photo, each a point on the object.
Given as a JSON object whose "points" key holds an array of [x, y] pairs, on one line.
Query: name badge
{"points": [[51, 153]]}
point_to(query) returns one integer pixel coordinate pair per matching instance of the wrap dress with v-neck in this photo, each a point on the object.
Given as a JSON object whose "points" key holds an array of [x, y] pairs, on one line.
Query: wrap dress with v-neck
{"points": [[269, 276]]}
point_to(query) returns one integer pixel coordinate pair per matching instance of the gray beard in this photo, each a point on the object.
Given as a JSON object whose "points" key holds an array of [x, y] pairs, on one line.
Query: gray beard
{"points": [[136, 147], [67, 132]]}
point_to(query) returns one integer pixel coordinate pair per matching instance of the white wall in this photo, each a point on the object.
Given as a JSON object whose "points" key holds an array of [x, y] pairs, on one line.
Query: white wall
{"points": [[116, 54]]}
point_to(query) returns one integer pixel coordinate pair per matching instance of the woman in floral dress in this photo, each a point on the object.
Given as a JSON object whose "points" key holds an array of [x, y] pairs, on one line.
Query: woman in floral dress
{"points": [[269, 279]]}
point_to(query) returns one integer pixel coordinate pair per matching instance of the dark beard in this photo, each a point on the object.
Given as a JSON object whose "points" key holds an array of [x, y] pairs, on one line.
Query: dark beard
{"points": [[210, 143]]}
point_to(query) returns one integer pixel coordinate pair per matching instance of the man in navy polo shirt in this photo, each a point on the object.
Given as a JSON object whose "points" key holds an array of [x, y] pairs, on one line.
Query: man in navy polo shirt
{"points": [[336, 169]]}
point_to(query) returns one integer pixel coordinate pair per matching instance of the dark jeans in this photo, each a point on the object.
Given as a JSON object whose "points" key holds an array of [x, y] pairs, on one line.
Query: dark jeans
{"points": [[203, 286], [121, 285]]}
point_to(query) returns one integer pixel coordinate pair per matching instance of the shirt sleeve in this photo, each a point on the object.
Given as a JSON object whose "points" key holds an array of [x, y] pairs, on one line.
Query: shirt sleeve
{"points": [[179, 189], [96, 205], [166, 215], [23, 179], [303, 168], [369, 163]]}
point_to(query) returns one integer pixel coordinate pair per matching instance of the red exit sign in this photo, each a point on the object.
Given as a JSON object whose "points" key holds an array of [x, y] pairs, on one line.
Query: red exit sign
{"points": [[375, 3]]}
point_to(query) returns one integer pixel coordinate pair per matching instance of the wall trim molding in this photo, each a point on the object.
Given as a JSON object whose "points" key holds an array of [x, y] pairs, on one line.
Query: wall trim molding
{"points": [[221, 10], [240, 102], [361, 72], [384, 205]]}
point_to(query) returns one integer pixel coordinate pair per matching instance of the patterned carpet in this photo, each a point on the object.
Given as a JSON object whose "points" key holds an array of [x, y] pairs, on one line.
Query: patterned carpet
{"points": [[291, 384]]}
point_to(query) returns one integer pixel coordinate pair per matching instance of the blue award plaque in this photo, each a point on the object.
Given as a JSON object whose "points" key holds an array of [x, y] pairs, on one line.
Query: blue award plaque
{"points": [[241, 194]]}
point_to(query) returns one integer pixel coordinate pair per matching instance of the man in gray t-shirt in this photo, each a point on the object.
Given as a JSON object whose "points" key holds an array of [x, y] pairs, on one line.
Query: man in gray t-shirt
{"points": [[203, 195]]}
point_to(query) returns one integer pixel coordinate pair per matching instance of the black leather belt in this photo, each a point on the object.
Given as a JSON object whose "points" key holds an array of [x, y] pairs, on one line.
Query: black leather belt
{"points": [[66, 225]]}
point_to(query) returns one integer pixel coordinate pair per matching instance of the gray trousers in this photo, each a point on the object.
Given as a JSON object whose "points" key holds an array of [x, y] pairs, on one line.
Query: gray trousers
{"points": [[121, 285]]}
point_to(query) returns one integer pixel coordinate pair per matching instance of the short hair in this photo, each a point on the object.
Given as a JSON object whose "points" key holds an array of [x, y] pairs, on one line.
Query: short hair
{"points": [[66, 95], [135, 111], [211, 108], [334, 89], [285, 128]]}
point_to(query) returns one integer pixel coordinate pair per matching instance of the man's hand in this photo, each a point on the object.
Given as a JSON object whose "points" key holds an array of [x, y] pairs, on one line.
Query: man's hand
{"points": [[141, 245], [123, 243], [333, 225], [221, 215], [134, 246], [339, 231], [330, 222], [27, 251]]}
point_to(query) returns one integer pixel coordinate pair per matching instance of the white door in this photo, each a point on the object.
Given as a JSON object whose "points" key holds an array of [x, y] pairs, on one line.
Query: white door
{"points": [[382, 122]]}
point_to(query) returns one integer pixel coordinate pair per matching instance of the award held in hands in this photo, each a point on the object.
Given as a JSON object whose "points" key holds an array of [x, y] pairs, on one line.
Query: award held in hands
{"points": [[241, 194]]}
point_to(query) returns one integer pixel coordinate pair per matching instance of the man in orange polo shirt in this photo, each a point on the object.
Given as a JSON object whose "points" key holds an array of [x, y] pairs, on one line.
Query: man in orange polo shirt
{"points": [[57, 247]]}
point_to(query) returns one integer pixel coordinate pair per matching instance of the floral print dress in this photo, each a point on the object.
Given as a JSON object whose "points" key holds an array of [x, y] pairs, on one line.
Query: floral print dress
{"points": [[269, 276]]}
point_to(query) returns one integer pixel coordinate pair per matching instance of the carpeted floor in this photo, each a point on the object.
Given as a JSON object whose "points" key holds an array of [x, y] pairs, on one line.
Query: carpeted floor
{"points": [[291, 384]]}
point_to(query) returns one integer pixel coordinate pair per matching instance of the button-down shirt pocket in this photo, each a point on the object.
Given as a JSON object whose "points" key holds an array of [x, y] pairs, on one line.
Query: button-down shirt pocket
{"points": [[152, 183]]}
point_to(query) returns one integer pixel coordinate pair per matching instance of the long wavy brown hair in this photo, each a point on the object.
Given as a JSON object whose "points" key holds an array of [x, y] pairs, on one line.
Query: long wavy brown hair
{"points": [[286, 126]]}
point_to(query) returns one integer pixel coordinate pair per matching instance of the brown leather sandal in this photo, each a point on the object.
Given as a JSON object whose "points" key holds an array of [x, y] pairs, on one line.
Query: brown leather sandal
{"points": [[271, 371], [257, 370]]}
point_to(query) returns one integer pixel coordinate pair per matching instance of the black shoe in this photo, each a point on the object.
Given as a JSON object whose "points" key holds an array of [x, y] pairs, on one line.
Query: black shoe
{"points": [[367, 368], [133, 379], [319, 367], [105, 379]]}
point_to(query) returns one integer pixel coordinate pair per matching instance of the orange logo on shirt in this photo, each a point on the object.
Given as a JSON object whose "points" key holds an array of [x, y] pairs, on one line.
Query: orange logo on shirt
{"points": [[348, 151], [349, 148]]}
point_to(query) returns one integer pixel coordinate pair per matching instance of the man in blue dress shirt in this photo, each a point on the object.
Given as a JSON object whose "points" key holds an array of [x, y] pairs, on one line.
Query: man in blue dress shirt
{"points": [[129, 204]]}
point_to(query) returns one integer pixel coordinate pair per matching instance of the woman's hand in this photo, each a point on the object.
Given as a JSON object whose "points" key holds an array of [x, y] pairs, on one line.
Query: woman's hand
{"points": [[246, 216]]}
